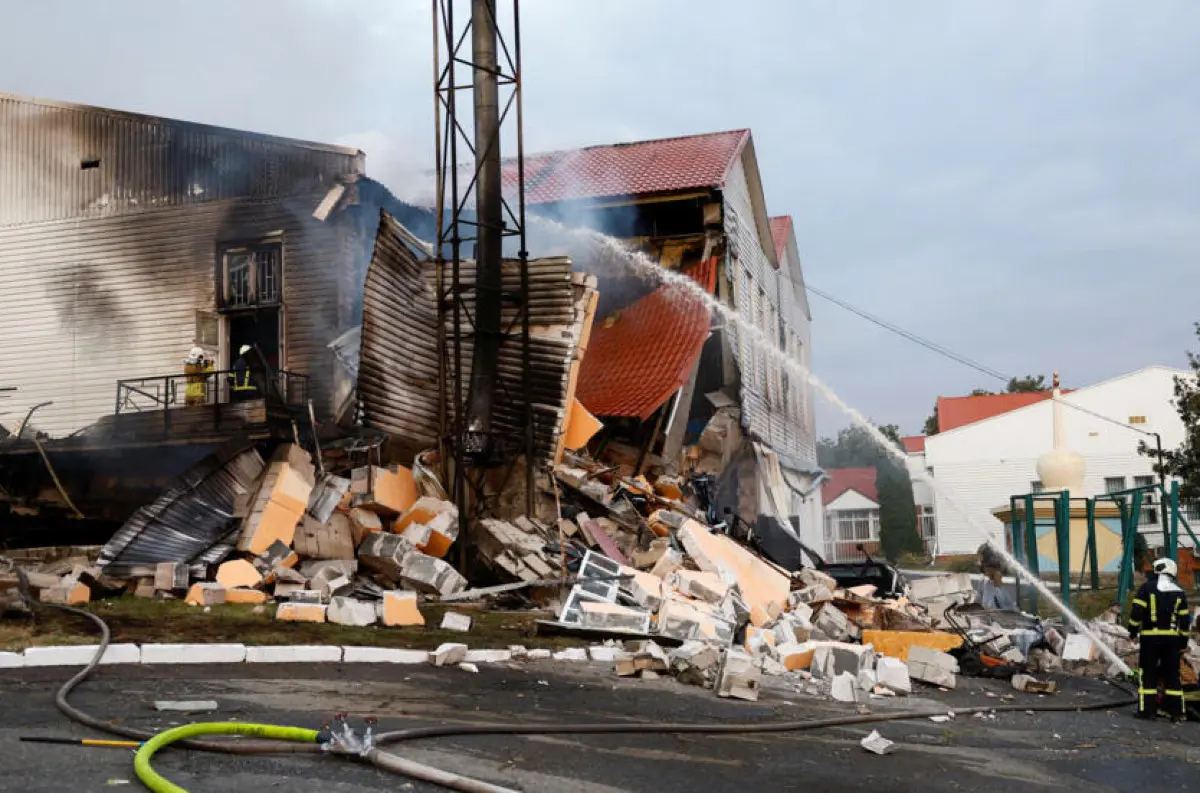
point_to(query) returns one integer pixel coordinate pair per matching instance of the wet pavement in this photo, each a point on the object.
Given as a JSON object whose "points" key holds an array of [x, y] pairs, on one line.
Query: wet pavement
{"points": [[1093, 751]]}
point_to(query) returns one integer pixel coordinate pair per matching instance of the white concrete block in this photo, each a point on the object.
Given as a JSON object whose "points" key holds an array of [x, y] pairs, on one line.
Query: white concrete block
{"points": [[383, 655], [81, 654], [1079, 648], [925, 655], [348, 611], [293, 654], [453, 621], [538, 655], [893, 673], [570, 654], [600, 652], [845, 688], [193, 653], [867, 680], [488, 656], [12, 660], [448, 654]]}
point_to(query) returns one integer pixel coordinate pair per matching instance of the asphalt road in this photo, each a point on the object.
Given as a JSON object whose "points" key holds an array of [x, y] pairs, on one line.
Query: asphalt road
{"points": [[1095, 751]]}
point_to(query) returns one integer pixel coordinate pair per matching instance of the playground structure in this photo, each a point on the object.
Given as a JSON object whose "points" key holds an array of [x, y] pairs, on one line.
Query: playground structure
{"points": [[1090, 536]]}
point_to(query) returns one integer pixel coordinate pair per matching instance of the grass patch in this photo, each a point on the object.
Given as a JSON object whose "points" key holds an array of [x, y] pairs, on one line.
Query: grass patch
{"points": [[140, 620]]}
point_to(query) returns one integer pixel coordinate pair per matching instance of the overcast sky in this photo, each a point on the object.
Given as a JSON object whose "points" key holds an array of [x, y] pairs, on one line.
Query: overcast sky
{"points": [[1019, 181]]}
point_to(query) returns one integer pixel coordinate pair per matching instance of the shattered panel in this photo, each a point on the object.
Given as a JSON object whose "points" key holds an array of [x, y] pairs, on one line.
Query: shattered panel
{"points": [[192, 520], [398, 358]]}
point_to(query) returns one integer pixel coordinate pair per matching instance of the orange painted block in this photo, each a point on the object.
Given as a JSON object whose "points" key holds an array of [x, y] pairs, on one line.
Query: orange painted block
{"points": [[205, 594], [580, 426], [400, 609], [362, 523], [897, 643], [71, 593], [241, 595], [424, 510], [797, 656], [393, 492], [238, 573], [764, 587], [301, 612]]}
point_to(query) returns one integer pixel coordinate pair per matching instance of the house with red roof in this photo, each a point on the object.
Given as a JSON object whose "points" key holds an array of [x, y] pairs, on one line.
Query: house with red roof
{"points": [[987, 448], [662, 371], [851, 501]]}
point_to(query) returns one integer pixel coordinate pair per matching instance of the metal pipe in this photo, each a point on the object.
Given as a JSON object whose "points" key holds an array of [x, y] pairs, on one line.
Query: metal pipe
{"points": [[489, 217]]}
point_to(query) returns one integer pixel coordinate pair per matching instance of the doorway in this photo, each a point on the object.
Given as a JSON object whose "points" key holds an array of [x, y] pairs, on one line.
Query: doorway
{"points": [[259, 327]]}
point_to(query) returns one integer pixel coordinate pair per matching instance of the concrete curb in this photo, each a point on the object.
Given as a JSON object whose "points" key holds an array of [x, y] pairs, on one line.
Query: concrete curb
{"points": [[172, 654]]}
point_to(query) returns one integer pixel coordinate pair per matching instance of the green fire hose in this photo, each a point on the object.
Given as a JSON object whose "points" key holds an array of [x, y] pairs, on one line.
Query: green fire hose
{"points": [[160, 784]]}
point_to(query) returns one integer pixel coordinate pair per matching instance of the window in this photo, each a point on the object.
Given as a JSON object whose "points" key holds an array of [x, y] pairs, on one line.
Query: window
{"points": [[928, 522], [1036, 486], [1143, 481], [251, 276], [1114, 484], [1137, 419], [853, 525]]}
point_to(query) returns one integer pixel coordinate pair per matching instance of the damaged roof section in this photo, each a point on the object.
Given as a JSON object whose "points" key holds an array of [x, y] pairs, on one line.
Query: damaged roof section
{"points": [[641, 355], [398, 359], [191, 521]]}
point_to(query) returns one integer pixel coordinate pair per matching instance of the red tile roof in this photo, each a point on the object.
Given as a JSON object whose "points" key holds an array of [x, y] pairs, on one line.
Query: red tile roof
{"points": [[955, 412], [781, 228], [860, 480], [650, 166], [637, 362], [914, 444]]}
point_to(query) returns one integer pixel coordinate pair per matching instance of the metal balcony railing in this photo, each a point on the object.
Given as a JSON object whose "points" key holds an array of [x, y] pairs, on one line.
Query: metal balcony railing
{"points": [[168, 392]]}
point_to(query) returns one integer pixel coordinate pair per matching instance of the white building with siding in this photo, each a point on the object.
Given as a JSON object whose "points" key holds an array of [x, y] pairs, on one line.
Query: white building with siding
{"points": [[980, 465]]}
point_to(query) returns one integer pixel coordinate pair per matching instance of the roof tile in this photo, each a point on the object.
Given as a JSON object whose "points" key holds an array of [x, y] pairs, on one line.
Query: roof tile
{"points": [[955, 412], [637, 362]]}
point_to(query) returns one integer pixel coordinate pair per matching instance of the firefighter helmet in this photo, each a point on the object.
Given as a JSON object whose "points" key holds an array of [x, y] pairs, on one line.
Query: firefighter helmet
{"points": [[1167, 567]]}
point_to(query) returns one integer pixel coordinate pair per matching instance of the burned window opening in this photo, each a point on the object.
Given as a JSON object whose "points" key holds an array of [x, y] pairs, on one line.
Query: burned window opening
{"points": [[251, 276], [89, 165]]}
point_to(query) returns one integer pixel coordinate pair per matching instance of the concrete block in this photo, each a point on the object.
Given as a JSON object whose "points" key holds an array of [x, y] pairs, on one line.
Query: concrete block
{"points": [[669, 562], [67, 593], [453, 621], [383, 655], [348, 611], [931, 657], [448, 654], [867, 680], [810, 597], [800, 611], [145, 588], [81, 654], [331, 583], [832, 623], [796, 655], [296, 593], [695, 655], [759, 641], [931, 674], [844, 688], [831, 659], [467, 666], [893, 673], [425, 510], [171, 576], [488, 656], [600, 652], [431, 575], [333, 539], [1079, 648], [644, 589], [301, 612], [771, 666], [897, 643], [238, 573], [1031, 685], [205, 594], [293, 654], [1056, 641], [569, 654], [538, 655], [399, 608], [239, 595], [193, 653], [703, 586], [12, 660], [738, 676], [363, 524], [598, 615], [685, 620], [812, 577], [791, 628]]}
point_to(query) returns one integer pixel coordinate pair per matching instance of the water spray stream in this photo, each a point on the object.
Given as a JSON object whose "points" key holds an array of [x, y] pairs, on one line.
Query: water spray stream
{"points": [[645, 266]]}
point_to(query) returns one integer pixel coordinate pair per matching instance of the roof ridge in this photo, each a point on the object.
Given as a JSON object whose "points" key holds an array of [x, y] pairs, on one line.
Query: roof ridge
{"points": [[743, 131]]}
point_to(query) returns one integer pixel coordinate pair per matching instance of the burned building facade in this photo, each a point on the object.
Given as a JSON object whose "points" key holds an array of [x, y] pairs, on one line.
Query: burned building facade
{"points": [[127, 240]]}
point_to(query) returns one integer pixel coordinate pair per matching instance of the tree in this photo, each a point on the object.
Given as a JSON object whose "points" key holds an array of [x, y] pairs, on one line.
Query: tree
{"points": [[855, 448], [1029, 384], [1184, 462]]}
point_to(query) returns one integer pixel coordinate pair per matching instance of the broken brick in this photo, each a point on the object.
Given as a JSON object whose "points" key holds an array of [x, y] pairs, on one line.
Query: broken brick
{"points": [[399, 608], [301, 612]]}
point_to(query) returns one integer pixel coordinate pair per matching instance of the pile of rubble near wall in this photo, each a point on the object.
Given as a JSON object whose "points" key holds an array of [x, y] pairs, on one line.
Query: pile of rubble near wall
{"points": [[355, 550]]}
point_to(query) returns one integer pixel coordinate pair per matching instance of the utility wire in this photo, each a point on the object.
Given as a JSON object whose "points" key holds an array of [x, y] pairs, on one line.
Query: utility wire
{"points": [[954, 356]]}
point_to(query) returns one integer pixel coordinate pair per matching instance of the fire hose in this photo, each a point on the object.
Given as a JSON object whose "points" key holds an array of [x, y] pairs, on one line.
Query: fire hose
{"points": [[273, 739]]}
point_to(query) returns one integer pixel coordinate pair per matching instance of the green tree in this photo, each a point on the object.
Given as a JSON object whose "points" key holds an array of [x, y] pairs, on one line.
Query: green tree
{"points": [[855, 448], [1184, 462], [1028, 384]]}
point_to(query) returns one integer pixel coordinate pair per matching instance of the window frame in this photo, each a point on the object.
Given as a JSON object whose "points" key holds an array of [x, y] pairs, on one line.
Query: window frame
{"points": [[254, 281]]}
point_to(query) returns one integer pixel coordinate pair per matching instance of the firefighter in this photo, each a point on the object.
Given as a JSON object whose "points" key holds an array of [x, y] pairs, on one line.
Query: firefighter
{"points": [[197, 367], [1160, 619], [243, 386], [991, 563]]}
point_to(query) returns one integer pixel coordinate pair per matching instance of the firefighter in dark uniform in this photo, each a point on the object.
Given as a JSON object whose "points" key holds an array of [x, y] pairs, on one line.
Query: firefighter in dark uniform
{"points": [[1160, 618], [240, 380]]}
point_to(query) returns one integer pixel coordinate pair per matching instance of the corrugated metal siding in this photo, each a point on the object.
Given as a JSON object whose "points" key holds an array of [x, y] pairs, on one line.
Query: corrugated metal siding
{"points": [[144, 162], [91, 301], [791, 437]]}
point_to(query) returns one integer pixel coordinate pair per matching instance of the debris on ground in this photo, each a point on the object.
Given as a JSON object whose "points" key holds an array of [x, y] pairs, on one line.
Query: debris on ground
{"points": [[877, 744]]}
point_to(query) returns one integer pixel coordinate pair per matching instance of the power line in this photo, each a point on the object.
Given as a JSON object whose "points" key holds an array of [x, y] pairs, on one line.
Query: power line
{"points": [[957, 357]]}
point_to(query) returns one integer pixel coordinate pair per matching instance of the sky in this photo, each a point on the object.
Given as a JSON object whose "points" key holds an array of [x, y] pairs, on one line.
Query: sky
{"points": [[1017, 181]]}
